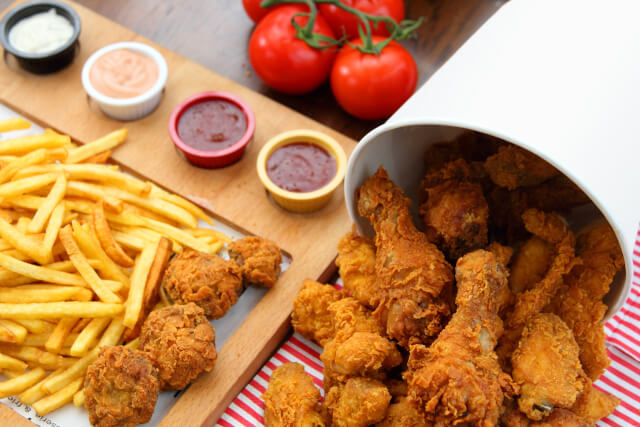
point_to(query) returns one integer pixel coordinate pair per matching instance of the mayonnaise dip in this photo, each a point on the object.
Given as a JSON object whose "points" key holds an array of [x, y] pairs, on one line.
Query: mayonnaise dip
{"points": [[123, 73], [41, 33]]}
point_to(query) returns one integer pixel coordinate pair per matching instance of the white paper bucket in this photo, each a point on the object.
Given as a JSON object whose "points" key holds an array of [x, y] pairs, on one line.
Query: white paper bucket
{"points": [[560, 78]]}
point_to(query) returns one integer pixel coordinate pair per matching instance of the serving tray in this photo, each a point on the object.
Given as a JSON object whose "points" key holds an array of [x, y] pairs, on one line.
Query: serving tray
{"points": [[233, 195]]}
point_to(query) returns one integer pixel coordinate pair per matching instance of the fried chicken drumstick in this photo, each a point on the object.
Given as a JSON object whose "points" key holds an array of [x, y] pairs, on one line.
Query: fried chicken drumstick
{"points": [[458, 378], [413, 276]]}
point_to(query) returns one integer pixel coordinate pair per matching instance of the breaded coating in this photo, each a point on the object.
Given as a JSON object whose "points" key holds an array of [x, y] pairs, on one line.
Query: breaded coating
{"points": [[180, 342], [363, 354], [456, 170], [530, 264], [458, 379], [359, 403], [210, 281], [594, 404], [455, 215], [120, 388], [403, 414], [546, 366], [552, 229], [579, 303], [513, 167], [503, 253], [358, 346], [259, 260], [291, 399], [311, 316], [413, 276], [356, 263]]}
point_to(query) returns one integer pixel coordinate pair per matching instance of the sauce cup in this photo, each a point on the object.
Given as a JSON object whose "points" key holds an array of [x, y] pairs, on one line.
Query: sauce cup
{"points": [[127, 108], [48, 62], [304, 201], [213, 158]]}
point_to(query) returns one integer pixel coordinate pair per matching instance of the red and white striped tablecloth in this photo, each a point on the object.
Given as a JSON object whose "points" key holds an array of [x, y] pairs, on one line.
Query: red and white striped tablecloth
{"points": [[622, 378]]}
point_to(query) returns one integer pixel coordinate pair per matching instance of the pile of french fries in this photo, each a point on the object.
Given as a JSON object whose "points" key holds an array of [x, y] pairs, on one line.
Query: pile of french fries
{"points": [[82, 250]]}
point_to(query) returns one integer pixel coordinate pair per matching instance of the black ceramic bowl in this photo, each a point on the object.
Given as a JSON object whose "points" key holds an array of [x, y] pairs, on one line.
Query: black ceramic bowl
{"points": [[41, 63]]}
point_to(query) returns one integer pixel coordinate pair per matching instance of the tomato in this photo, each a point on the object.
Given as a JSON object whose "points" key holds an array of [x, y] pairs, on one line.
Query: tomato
{"points": [[283, 61], [339, 18], [372, 86], [253, 9]]}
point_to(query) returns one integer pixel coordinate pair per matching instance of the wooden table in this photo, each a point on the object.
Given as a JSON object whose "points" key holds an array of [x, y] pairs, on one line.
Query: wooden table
{"points": [[215, 33]]}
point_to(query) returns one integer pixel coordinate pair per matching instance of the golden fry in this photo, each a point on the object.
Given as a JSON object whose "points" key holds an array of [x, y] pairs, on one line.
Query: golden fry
{"points": [[108, 243], [57, 310], [84, 268], [33, 355], [21, 383], [44, 274], [99, 158], [36, 326], [35, 392], [16, 333], [11, 363], [88, 335], [58, 399], [35, 293], [138, 281], [14, 166], [14, 123], [21, 242], [51, 201], [57, 337], [53, 227], [26, 144], [105, 143], [78, 398], [152, 286], [26, 185]]}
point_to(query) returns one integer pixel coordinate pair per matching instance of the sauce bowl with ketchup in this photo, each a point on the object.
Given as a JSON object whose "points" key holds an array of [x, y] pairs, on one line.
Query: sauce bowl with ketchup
{"points": [[125, 79], [301, 169], [212, 129]]}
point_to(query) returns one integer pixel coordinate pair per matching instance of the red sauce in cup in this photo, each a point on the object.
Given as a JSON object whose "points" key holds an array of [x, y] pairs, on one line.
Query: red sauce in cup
{"points": [[301, 167], [212, 125]]}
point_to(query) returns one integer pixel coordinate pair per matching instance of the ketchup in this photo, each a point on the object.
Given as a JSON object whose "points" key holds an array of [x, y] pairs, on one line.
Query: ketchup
{"points": [[212, 125], [301, 167]]}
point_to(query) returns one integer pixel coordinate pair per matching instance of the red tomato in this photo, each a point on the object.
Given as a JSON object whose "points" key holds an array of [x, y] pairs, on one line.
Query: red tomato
{"points": [[283, 61], [253, 9], [373, 86], [339, 18]]}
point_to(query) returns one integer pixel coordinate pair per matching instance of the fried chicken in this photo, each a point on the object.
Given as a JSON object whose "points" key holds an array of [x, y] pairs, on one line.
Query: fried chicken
{"points": [[358, 403], [311, 316], [356, 263], [259, 260], [455, 215], [579, 303], [180, 342], [458, 378], [208, 280], [413, 277], [513, 167], [552, 229], [530, 264], [358, 347], [291, 399], [546, 366], [503, 253], [403, 414], [594, 404], [120, 388]]}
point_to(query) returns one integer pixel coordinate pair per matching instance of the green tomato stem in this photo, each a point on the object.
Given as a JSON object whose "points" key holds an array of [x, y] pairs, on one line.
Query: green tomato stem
{"points": [[397, 31]]}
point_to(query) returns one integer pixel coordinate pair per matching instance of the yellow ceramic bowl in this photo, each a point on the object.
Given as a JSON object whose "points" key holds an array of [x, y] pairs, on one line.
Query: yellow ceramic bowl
{"points": [[313, 200]]}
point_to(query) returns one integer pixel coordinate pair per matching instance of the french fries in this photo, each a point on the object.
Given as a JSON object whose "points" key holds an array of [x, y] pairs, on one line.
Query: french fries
{"points": [[83, 248]]}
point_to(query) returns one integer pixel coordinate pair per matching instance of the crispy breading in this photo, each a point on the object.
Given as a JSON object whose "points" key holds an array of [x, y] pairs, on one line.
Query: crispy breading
{"points": [[311, 316], [358, 403], [259, 260], [513, 167], [291, 399], [356, 263]]}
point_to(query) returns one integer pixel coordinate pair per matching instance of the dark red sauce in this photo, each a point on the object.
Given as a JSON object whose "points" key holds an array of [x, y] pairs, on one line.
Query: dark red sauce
{"points": [[301, 167], [212, 125]]}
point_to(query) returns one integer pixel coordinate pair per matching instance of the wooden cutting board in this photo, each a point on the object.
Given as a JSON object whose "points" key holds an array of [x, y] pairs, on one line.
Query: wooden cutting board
{"points": [[232, 194]]}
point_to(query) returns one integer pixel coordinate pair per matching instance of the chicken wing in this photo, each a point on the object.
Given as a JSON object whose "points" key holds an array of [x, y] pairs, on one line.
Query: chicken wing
{"points": [[291, 400], [413, 276], [550, 228], [455, 215], [580, 302], [594, 404], [356, 263], [546, 366], [359, 403], [513, 167], [458, 378], [311, 316]]}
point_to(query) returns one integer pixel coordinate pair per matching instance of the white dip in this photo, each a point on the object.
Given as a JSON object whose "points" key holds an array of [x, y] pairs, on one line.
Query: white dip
{"points": [[41, 33]]}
